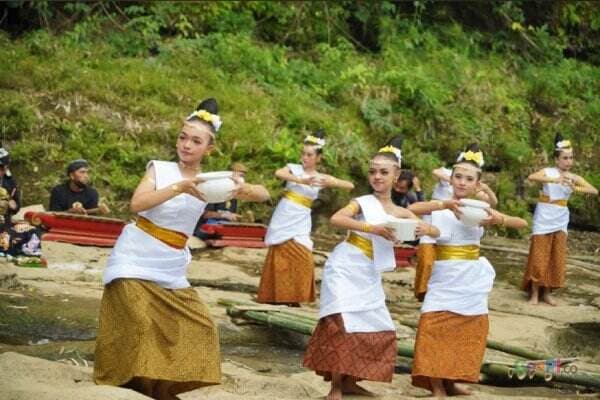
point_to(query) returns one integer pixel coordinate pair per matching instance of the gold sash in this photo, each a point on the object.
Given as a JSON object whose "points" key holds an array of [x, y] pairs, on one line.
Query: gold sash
{"points": [[297, 198], [545, 199], [362, 243], [466, 252], [167, 236]]}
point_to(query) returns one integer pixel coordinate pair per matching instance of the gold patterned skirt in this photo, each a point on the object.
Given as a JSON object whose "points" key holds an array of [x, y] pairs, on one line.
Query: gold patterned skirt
{"points": [[288, 275], [368, 355], [150, 332], [449, 346], [425, 260], [546, 264]]}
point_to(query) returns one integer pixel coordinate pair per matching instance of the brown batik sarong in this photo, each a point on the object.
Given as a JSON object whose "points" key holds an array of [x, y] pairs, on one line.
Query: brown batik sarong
{"points": [[425, 260], [370, 356], [151, 332], [449, 346], [288, 275], [547, 260]]}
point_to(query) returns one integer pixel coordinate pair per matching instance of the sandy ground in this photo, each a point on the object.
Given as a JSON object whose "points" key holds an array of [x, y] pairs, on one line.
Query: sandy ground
{"points": [[74, 273]]}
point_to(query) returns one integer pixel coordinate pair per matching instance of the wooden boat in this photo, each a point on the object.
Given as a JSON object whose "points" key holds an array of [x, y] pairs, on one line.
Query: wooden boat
{"points": [[77, 229], [403, 255], [235, 234]]}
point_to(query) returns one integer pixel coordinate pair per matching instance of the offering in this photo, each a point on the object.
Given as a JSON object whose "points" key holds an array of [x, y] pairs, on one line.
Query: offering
{"points": [[473, 211], [217, 187], [404, 228]]}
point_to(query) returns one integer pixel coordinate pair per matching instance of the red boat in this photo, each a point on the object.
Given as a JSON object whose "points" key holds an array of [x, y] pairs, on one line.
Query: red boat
{"points": [[235, 234], [77, 229], [403, 255]]}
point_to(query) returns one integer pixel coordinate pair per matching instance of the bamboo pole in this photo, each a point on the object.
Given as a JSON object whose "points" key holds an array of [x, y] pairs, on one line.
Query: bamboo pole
{"points": [[492, 371]]}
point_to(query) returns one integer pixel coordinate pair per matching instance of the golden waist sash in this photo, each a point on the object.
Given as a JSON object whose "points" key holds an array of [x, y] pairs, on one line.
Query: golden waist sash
{"points": [[362, 243], [297, 198], [167, 236], [467, 252], [545, 199]]}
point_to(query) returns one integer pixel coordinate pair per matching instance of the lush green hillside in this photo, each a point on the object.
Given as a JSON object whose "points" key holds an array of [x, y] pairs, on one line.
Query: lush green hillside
{"points": [[113, 86]]}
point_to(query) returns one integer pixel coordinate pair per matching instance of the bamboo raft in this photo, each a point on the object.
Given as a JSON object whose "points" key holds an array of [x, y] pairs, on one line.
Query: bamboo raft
{"points": [[539, 370]]}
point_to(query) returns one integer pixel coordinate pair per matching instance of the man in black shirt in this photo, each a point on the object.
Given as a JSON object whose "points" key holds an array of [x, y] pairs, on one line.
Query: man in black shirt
{"points": [[76, 195], [403, 194]]}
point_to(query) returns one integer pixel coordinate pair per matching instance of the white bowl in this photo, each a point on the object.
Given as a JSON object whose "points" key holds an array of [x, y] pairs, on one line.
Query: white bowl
{"points": [[404, 228], [472, 216], [217, 186], [209, 176], [473, 203]]}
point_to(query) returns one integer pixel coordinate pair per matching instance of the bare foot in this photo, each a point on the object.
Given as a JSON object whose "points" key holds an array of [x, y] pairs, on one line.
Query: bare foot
{"points": [[546, 298], [534, 294], [336, 387], [454, 389], [349, 386], [162, 391], [334, 394], [437, 387]]}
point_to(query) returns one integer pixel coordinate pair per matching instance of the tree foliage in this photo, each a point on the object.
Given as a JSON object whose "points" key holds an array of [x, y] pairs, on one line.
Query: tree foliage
{"points": [[110, 81]]}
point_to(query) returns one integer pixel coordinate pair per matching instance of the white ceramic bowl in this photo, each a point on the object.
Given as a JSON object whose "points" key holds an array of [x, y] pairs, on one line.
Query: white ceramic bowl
{"points": [[472, 216], [404, 228], [473, 203], [217, 186]]}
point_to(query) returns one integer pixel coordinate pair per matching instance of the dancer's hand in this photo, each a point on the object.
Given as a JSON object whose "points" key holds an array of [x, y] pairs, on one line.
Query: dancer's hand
{"points": [[452, 205], [567, 179], [422, 229], [494, 218], [308, 180], [384, 232], [190, 186]]}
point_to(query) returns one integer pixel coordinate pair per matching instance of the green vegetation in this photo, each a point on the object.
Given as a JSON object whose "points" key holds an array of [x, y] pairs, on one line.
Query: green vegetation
{"points": [[111, 82]]}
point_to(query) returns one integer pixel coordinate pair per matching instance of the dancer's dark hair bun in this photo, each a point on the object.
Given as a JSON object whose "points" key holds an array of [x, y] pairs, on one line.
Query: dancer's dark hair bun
{"points": [[209, 105]]}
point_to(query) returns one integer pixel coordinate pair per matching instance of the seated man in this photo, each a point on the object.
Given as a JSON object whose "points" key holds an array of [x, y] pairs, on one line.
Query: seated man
{"points": [[226, 211], [403, 194], [76, 195]]}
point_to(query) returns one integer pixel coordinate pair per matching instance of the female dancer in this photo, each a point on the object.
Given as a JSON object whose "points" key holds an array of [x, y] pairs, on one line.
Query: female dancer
{"points": [[355, 338], [442, 193], [156, 336], [548, 249], [453, 327], [288, 273]]}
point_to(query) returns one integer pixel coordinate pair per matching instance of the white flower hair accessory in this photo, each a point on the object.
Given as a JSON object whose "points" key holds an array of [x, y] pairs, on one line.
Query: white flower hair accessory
{"points": [[477, 157], [563, 145], [319, 142], [204, 115], [391, 149]]}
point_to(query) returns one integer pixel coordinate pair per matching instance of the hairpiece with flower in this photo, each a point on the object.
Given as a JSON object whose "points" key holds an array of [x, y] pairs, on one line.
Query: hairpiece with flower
{"points": [[476, 157], [313, 140], [204, 115], [394, 150], [563, 145]]}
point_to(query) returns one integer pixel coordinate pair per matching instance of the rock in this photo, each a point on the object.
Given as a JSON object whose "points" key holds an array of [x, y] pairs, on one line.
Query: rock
{"points": [[29, 378], [195, 243], [9, 280]]}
